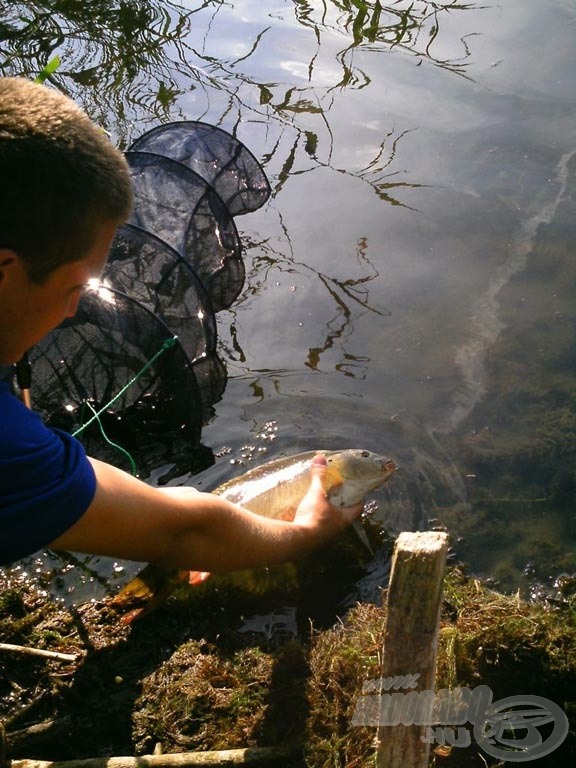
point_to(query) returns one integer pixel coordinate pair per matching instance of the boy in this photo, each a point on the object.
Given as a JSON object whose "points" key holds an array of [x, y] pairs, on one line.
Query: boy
{"points": [[64, 190]]}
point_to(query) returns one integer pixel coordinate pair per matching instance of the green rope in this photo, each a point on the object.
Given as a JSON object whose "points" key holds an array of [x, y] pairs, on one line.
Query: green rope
{"points": [[168, 344], [112, 443]]}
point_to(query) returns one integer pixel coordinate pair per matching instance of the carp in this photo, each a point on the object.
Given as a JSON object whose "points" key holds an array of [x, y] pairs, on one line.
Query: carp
{"points": [[273, 489]]}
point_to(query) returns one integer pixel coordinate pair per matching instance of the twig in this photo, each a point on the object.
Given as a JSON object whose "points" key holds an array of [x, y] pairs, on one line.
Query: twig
{"points": [[38, 652], [3, 747], [253, 756]]}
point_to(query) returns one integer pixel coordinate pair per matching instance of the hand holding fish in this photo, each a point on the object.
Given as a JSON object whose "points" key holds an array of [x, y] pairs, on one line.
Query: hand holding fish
{"points": [[272, 513], [316, 513]]}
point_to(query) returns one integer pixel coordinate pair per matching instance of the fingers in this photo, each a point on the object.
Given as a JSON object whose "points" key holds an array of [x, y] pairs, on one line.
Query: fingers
{"points": [[318, 469], [316, 512]]}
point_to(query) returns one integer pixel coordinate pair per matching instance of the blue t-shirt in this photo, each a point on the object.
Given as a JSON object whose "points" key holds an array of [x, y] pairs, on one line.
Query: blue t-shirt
{"points": [[46, 480]]}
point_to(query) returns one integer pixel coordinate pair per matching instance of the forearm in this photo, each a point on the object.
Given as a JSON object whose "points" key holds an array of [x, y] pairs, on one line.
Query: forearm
{"points": [[216, 535], [181, 528]]}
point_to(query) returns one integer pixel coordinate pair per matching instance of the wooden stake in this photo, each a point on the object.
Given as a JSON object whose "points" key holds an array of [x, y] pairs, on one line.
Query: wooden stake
{"points": [[410, 642]]}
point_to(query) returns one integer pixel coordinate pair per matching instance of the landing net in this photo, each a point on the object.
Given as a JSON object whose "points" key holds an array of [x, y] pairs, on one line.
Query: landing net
{"points": [[136, 372]]}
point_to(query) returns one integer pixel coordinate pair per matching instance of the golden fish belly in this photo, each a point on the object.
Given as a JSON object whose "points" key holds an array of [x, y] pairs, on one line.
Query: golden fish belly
{"points": [[275, 493]]}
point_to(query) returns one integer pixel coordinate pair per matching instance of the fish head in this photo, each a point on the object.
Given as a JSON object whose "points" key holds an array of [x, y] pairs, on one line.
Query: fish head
{"points": [[353, 473]]}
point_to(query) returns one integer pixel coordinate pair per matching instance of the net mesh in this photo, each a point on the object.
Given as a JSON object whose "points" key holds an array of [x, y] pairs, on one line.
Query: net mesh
{"points": [[141, 352], [152, 273], [217, 157], [178, 206]]}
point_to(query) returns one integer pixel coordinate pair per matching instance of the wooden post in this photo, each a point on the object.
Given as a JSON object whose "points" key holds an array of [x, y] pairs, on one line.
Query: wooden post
{"points": [[410, 645]]}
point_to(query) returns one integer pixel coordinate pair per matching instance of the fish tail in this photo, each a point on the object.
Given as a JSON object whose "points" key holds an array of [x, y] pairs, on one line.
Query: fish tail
{"points": [[197, 577], [153, 584]]}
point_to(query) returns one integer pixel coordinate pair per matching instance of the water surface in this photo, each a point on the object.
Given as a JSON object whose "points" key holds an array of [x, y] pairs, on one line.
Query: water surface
{"points": [[410, 283]]}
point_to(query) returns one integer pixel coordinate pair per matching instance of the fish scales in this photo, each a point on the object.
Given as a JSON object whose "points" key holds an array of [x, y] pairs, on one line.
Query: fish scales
{"points": [[275, 492]]}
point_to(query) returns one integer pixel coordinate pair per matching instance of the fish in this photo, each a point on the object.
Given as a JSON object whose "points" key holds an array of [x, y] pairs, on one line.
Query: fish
{"points": [[273, 489]]}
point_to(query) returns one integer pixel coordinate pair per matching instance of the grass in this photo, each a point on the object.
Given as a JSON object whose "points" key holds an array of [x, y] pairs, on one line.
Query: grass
{"points": [[178, 680]]}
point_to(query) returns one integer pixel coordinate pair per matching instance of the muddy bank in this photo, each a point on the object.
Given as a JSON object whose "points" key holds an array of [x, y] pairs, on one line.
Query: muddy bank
{"points": [[185, 679]]}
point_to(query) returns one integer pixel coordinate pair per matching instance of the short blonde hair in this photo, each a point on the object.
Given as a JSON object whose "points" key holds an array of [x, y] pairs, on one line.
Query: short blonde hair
{"points": [[61, 178]]}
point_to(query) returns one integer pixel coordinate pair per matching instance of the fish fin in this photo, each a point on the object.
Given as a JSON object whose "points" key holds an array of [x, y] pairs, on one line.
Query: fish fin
{"points": [[197, 577], [151, 586], [362, 536], [138, 613], [143, 585], [154, 602], [131, 616]]}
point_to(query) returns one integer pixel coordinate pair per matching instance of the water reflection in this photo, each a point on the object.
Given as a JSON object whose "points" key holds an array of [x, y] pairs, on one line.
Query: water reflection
{"points": [[123, 60], [418, 154], [343, 299], [132, 61], [411, 27]]}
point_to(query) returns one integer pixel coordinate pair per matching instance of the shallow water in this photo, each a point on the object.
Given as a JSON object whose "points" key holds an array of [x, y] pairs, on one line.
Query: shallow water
{"points": [[409, 285]]}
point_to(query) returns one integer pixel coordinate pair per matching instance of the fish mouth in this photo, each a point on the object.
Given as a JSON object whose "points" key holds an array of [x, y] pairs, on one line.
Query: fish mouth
{"points": [[388, 465]]}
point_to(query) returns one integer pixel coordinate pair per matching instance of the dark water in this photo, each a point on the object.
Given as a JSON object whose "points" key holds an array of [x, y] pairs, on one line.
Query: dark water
{"points": [[410, 284]]}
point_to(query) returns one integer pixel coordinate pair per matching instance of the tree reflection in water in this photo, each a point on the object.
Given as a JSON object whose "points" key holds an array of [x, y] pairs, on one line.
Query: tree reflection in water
{"points": [[412, 27], [131, 60], [123, 60], [135, 64]]}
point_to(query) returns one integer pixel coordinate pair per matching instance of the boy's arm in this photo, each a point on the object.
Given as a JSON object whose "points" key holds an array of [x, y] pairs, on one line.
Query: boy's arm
{"points": [[186, 529]]}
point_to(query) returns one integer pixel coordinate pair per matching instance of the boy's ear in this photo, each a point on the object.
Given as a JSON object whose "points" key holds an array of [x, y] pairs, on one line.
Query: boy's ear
{"points": [[7, 259], [7, 255]]}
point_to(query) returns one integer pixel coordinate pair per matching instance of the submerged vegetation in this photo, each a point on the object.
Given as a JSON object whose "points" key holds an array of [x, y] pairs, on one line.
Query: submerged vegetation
{"points": [[518, 446], [188, 679]]}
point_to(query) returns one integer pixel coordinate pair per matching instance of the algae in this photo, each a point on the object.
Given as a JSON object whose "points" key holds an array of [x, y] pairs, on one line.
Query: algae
{"points": [[517, 446]]}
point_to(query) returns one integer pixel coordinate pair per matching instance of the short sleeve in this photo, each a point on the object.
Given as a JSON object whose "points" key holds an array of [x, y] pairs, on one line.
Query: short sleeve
{"points": [[46, 480]]}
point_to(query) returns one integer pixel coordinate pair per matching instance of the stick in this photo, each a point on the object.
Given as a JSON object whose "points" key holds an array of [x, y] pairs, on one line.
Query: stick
{"points": [[38, 652], [252, 756], [410, 642], [3, 746], [24, 379]]}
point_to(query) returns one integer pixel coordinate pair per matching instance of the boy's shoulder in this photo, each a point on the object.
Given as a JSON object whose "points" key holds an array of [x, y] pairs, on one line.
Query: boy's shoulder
{"points": [[46, 480], [19, 426]]}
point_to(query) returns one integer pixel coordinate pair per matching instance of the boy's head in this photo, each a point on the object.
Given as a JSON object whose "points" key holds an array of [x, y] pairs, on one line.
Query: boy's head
{"points": [[61, 179]]}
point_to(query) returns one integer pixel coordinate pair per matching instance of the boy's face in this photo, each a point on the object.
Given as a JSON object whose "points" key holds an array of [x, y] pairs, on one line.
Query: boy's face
{"points": [[29, 311]]}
